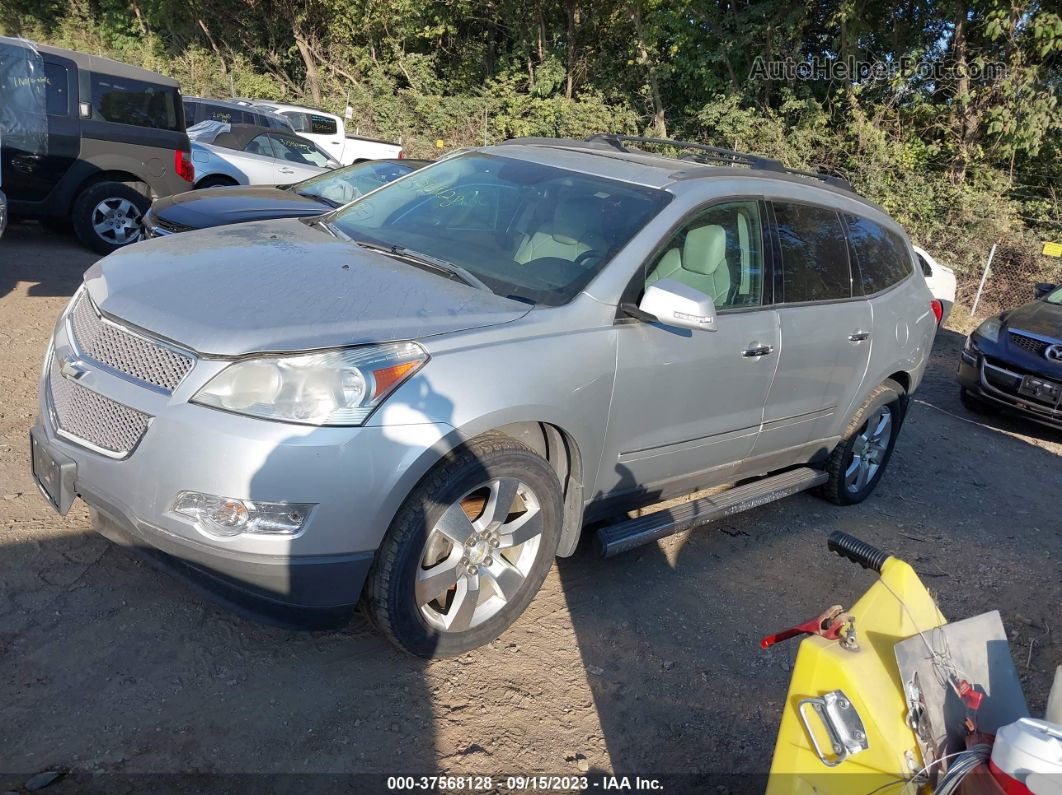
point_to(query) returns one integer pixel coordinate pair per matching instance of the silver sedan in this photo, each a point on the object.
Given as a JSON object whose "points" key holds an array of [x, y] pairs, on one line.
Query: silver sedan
{"points": [[245, 154]]}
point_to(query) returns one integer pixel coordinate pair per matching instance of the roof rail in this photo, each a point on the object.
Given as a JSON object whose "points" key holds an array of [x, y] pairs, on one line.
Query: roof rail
{"points": [[716, 154]]}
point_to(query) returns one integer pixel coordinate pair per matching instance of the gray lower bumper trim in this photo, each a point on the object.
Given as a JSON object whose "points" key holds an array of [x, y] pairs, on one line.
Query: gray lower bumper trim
{"points": [[306, 593]]}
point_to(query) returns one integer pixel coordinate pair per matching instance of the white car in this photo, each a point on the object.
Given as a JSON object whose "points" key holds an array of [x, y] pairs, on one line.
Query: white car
{"points": [[941, 281], [245, 154], [328, 131]]}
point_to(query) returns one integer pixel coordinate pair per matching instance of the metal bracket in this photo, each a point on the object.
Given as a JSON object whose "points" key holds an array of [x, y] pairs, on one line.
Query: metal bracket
{"points": [[842, 723]]}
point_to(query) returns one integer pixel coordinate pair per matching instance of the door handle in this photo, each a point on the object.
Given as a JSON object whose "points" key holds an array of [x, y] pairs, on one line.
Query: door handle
{"points": [[26, 163], [285, 170], [756, 351], [859, 336]]}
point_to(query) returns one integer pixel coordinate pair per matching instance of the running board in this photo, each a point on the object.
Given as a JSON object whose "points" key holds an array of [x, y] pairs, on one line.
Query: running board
{"points": [[631, 533]]}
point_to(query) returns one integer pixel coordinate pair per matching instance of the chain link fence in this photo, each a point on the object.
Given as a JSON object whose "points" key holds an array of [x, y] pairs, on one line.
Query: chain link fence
{"points": [[1009, 280]]}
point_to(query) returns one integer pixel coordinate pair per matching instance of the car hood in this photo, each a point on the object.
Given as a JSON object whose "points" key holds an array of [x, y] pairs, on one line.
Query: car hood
{"points": [[1037, 317], [234, 204], [282, 286]]}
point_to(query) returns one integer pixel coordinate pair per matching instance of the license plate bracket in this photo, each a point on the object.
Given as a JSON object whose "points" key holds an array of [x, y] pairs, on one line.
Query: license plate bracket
{"points": [[1040, 389], [53, 472]]}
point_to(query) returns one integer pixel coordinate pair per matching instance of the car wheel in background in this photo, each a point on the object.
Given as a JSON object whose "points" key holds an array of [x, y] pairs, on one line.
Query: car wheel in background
{"points": [[974, 404], [216, 182], [468, 550], [856, 465], [109, 215]]}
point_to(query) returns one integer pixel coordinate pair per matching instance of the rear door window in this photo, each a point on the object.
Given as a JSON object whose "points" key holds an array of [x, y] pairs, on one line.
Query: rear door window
{"points": [[260, 145], [57, 90], [880, 254], [814, 255], [322, 125], [126, 101]]}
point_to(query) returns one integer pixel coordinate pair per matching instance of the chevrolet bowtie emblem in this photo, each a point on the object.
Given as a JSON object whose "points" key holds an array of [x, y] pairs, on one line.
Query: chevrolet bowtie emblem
{"points": [[72, 368]]}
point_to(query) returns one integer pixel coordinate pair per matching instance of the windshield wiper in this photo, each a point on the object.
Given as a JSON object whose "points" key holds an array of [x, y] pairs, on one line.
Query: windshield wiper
{"points": [[435, 263], [306, 195]]}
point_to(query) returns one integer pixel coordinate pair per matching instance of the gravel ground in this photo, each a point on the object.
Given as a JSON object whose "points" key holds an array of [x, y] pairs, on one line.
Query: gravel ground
{"points": [[646, 663]]}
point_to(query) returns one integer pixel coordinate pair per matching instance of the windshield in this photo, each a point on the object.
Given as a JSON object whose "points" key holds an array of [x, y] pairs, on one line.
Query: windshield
{"points": [[525, 229], [1055, 297], [346, 184]]}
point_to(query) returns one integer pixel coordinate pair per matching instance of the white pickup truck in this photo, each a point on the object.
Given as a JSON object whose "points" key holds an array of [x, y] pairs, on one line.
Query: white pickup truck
{"points": [[328, 131]]}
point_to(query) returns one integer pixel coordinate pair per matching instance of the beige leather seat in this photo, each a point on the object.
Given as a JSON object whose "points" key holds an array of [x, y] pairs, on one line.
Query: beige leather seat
{"points": [[573, 230], [701, 263]]}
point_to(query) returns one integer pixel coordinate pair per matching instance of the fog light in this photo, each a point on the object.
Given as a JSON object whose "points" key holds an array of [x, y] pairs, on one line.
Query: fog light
{"points": [[227, 516]]}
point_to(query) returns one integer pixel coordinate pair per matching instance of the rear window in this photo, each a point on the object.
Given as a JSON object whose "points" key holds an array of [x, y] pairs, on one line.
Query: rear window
{"points": [[125, 101], [322, 125], [880, 254], [814, 255]]}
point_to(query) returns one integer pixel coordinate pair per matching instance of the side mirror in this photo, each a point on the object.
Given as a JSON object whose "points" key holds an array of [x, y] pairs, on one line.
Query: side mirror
{"points": [[1043, 288], [676, 304]]}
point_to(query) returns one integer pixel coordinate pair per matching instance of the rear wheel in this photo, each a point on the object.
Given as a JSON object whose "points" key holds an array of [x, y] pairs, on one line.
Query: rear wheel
{"points": [[216, 182], [468, 550], [857, 464], [109, 215]]}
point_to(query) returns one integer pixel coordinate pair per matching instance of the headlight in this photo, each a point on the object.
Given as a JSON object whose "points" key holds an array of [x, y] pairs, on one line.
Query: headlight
{"points": [[339, 387], [990, 329]]}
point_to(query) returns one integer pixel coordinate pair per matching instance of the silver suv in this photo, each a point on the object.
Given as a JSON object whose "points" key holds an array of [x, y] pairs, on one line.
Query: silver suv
{"points": [[418, 400]]}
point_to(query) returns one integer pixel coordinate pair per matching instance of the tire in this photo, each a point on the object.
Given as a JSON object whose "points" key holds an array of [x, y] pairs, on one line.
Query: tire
{"points": [[109, 215], [974, 404], [856, 465], [398, 592], [216, 182]]}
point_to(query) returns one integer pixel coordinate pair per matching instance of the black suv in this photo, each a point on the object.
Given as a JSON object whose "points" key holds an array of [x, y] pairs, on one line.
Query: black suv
{"points": [[88, 140]]}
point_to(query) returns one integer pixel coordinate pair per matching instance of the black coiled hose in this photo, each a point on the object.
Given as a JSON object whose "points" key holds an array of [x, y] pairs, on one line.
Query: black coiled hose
{"points": [[867, 556]]}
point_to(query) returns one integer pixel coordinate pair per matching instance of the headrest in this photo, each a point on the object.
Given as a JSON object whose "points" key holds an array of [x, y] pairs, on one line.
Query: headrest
{"points": [[705, 249], [575, 220]]}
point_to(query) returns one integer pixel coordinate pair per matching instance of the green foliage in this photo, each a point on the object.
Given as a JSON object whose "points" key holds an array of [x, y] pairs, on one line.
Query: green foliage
{"points": [[965, 155]]}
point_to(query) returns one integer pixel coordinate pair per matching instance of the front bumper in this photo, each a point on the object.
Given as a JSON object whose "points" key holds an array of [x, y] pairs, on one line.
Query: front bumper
{"points": [[996, 384], [356, 478]]}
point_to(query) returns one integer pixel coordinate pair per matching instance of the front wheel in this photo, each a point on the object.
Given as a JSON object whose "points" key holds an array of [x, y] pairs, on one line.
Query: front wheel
{"points": [[856, 465], [468, 550]]}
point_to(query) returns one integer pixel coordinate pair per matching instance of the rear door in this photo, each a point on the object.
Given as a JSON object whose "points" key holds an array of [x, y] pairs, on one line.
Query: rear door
{"points": [[687, 405], [42, 138], [825, 328]]}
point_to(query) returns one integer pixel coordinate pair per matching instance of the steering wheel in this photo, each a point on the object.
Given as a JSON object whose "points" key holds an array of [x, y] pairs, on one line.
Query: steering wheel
{"points": [[588, 254]]}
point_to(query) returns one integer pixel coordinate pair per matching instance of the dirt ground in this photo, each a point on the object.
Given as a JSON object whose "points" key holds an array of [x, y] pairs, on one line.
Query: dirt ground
{"points": [[647, 663]]}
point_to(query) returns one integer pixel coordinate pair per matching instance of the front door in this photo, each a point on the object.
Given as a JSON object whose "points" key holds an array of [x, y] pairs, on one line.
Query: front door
{"points": [[825, 328], [688, 404]]}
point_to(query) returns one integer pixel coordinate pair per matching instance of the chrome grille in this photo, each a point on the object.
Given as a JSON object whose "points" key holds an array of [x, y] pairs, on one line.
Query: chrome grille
{"points": [[1031, 344], [136, 356], [87, 416]]}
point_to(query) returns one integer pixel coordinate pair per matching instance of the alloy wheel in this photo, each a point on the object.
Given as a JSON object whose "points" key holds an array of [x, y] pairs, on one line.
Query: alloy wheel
{"points": [[869, 449], [118, 221], [477, 556]]}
